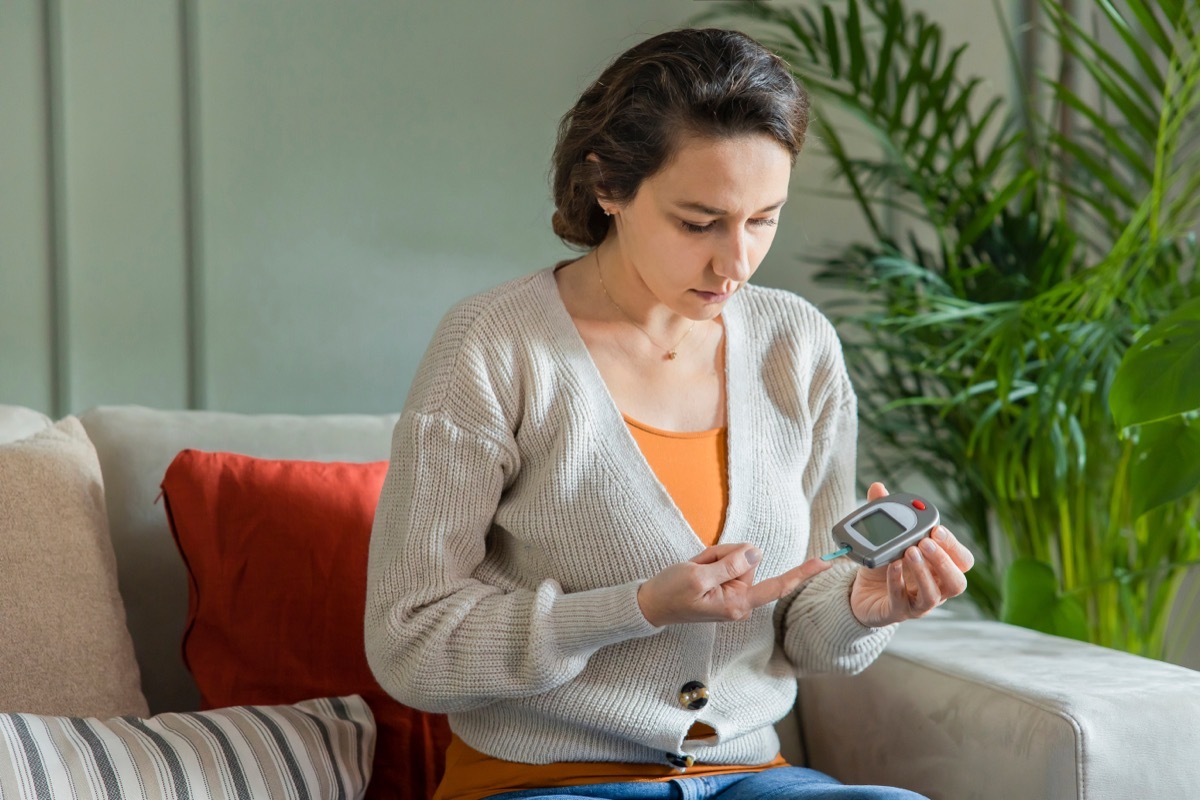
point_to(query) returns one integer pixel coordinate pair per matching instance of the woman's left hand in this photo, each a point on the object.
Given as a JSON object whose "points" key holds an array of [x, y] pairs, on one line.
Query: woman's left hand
{"points": [[928, 575]]}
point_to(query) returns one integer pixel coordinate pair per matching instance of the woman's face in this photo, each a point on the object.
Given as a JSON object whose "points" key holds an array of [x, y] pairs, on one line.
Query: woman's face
{"points": [[698, 229]]}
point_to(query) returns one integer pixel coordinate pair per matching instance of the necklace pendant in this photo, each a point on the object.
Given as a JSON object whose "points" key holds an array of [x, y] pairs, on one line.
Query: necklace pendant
{"points": [[671, 355]]}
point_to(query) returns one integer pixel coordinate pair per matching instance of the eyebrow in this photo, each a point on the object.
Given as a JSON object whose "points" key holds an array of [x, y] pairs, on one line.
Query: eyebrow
{"points": [[717, 212]]}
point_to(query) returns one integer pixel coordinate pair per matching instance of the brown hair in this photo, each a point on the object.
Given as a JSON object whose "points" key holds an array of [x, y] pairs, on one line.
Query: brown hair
{"points": [[708, 82]]}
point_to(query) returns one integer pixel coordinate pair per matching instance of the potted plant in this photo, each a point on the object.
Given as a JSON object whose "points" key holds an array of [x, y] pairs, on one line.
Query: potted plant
{"points": [[1025, 261]]}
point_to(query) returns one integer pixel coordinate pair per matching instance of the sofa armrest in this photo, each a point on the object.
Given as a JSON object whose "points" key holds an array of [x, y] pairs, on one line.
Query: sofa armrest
{"points": [[961, 709]]}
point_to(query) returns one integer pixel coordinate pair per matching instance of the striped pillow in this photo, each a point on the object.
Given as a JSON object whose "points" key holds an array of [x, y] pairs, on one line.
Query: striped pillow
{"points": [[313, 749]]}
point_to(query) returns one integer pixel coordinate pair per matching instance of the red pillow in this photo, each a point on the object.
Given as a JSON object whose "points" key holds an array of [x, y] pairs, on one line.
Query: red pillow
{"points": [[276, 553]]}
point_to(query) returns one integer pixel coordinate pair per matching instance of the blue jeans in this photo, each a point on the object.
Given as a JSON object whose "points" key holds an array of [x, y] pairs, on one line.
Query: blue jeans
{"points": [[777, 783]]}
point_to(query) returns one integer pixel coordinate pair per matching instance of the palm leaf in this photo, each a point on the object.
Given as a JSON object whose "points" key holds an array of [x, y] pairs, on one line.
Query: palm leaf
{"points": [[990, 316]]}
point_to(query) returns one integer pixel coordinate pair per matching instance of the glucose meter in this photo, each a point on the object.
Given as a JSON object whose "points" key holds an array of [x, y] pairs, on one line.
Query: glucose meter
{"points": [[879, 532]]}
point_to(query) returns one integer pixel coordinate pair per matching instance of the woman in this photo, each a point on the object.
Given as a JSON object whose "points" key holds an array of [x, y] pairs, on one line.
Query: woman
{"points": [[596, 546]]}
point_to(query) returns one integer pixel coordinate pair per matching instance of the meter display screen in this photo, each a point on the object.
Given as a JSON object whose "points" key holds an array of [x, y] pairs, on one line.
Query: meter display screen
{"points": [[878, 527]]}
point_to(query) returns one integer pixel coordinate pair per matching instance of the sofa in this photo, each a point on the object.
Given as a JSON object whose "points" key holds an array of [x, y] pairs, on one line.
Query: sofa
{"points": [[211, 579]]}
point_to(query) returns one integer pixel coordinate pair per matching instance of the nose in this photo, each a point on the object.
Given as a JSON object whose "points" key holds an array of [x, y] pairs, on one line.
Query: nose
{"points": [[733, 259]]}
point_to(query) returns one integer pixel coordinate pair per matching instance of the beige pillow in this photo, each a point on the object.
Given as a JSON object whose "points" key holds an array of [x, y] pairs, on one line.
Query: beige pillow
{"points": [[64, 647]]}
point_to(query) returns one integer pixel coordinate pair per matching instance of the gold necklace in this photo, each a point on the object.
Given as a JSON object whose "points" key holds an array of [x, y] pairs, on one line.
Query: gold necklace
{"points": [[672, 353]]}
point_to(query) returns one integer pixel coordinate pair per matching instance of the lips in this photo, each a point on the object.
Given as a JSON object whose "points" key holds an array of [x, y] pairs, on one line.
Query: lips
{"points": [[713, 297]]}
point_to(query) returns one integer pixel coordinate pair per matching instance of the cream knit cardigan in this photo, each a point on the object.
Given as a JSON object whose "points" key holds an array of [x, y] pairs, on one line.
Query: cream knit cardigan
{"points": [[519, 517]]}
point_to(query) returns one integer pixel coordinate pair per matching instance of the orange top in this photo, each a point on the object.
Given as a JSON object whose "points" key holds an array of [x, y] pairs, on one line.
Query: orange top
{"points": [[693, 468]]}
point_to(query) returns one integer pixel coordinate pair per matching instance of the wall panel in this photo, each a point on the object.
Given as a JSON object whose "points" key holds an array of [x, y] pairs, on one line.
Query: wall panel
{"points": [[124, 204], [26, 324], [366, 165]]}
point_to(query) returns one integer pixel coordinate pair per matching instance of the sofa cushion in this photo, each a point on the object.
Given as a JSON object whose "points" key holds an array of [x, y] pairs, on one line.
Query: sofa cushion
{"points": [[319, 748], [135, 444], [64, 647], [276, 552], [960, 708], [18, 422]]}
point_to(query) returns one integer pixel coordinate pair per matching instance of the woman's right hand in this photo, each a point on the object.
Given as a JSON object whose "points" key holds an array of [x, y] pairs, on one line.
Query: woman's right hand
{"points": [[718, 586]]}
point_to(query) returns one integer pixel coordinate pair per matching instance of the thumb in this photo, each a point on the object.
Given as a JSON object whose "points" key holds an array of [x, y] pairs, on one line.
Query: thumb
{"points": [[734, 565], [876, 491]]}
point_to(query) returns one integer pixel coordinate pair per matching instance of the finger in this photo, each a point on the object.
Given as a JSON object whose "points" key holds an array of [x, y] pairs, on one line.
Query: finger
{"points": [[771, 589], [876, 490], [928, 595], [910, 580], [949, 577], [897, 591], [963, 558], [737, 563], [718, 551], [747, 577]]}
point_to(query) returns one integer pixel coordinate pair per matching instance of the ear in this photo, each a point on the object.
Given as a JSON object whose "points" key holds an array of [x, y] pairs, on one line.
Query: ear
{"points": [[601, 196]]}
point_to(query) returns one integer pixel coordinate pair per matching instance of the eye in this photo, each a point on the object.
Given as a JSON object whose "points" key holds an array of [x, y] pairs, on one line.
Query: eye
{"points": [[764, 222]]}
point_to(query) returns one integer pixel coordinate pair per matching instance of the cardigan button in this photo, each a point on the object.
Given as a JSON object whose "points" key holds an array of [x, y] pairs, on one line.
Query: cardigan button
{"points": [[693, 695], [679, 761]]}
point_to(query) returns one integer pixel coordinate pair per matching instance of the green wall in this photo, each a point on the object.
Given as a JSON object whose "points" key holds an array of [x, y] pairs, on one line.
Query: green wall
{"points": [[267, 206]]}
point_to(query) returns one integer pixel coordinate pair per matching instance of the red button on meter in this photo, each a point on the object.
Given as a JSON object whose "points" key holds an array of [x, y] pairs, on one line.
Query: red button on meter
{"points": [[918, 505]]}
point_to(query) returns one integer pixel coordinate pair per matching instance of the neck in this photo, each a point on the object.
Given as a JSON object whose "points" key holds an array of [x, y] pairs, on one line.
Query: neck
{"points": [[630, 300]]}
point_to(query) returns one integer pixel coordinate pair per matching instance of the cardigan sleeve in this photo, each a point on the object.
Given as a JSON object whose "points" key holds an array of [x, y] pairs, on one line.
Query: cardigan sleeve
{"points": [[820, 631], [437, 637]]}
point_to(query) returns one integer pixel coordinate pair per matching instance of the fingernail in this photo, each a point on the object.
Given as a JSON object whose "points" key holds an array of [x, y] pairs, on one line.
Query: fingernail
{"points": [[928, 546], [915, 555], [753, 556], [939, 533]]}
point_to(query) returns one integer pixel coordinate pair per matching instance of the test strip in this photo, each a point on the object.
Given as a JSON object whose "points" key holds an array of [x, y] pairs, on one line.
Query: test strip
{"points": [[836, 554]]}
